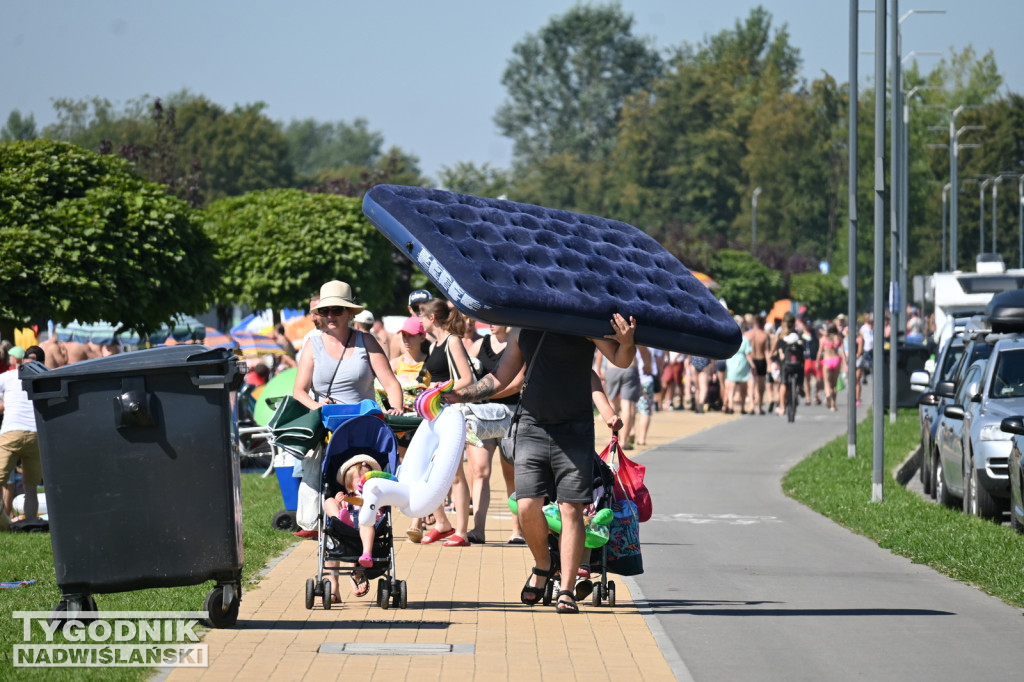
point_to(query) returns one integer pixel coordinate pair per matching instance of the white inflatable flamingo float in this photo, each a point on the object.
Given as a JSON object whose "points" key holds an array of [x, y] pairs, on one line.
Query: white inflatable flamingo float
{"points": [[426, 472]]}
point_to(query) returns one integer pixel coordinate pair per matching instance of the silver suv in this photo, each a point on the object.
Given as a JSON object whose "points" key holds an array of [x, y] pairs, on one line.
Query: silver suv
{"points": [[976, 467]]}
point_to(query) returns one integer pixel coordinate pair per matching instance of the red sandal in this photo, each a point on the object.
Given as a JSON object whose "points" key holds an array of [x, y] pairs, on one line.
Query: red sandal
{"points": [[433, 535]]}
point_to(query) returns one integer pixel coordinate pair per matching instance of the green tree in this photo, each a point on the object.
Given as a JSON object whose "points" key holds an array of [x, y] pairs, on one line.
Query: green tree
{"points": [[823, 295], [795, 155], [680, 150], [83, 238], [19, 127], [567, 83], [315, 147], [745, 284], [275, 247], [240, 150], [466, 177]]}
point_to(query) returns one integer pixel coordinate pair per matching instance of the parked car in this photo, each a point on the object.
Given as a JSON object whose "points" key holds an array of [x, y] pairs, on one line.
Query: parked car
{"points": [[976, 350], [974, 456], [1015, 472], [929, 402]]}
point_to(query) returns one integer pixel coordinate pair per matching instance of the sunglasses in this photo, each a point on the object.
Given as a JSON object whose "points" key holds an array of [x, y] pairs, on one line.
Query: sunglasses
{"points": [[335, 310]]}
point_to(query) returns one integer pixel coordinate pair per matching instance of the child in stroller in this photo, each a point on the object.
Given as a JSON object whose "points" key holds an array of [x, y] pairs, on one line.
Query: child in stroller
{"points": [[360, 444], [342, 508]]}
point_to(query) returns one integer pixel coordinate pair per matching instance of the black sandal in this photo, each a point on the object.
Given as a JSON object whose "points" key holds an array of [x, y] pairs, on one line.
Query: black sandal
{"points": [[536, 592], [564, 606]]}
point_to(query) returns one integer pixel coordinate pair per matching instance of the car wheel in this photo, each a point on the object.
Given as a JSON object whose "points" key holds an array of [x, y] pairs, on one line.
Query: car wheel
{"points": [[942, 493], [982, 503]]}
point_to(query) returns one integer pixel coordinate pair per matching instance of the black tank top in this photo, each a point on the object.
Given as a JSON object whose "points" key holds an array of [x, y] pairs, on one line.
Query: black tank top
{"points": [[489, 360], [437, 363], [558, 389]]}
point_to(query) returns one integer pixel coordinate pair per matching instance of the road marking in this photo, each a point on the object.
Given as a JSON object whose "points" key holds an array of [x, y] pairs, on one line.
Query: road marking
{"points": [[705, 519]]}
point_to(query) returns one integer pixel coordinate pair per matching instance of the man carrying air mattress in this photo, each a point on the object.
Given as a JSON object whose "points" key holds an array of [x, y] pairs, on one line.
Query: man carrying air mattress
{"points": [[554, 438]]}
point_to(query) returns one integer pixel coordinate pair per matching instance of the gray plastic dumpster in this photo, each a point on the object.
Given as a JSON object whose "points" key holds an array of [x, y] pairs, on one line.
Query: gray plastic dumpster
{"points": [[142, 482]]}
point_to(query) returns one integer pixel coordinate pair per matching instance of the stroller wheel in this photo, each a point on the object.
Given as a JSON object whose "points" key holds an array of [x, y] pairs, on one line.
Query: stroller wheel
{"points": [[380, 590], [327, 594], [611, 593], [310, 592], [596, 595], [403, 599], [549, 591], [385, 596]]}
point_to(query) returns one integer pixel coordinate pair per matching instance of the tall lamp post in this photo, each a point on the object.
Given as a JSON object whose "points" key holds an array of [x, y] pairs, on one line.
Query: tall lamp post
{"points": [[1020, 220], [981, 214], [995, 193], [753, 220], [945, 195], [954, 156]]}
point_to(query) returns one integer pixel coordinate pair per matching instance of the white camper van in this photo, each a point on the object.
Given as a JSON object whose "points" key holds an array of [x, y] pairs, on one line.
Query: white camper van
{"points": [[962, 294]]}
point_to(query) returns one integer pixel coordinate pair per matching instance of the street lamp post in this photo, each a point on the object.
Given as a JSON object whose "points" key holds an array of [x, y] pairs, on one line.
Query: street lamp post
{"points": [[753, 220], [945, 195], [981, 214], [954, 156], [1020, 220], [995, 193]]}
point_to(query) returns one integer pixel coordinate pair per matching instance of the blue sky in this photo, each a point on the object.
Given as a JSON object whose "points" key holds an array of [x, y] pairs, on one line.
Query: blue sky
{"points": [[425, 74]]}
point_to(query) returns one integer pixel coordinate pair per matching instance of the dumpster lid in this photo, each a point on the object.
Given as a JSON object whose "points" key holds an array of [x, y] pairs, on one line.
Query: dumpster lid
{"points": [[132, 362]]}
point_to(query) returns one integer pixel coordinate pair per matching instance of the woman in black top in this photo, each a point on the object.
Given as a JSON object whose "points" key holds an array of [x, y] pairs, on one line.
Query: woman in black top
{"points": [[446, 326], [479, 455]]}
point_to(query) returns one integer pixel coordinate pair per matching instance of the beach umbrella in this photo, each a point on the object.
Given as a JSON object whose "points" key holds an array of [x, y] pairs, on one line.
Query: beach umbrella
{"points": [[252, 343], [185, 328], [261, 322], [705, 279], [101, 333], [218, 339]]}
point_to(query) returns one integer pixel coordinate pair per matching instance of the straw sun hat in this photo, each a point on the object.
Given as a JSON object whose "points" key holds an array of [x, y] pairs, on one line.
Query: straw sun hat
{"points": [[338, 293]]}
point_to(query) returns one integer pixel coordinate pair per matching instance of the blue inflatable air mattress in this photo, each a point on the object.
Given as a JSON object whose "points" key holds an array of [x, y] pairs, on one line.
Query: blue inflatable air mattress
{"points": [[528, 266]]}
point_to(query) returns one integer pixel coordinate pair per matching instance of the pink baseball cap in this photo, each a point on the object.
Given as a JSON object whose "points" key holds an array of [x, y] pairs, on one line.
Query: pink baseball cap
{"points": [[412, 326]]}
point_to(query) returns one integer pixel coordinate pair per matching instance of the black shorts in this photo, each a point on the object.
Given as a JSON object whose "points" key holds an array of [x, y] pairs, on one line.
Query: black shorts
{"points": [[761, 367], [555, 460]]}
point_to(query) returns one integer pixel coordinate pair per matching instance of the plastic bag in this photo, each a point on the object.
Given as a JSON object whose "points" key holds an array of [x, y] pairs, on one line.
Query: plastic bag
{"points": [[624, 555], [629, 479]]}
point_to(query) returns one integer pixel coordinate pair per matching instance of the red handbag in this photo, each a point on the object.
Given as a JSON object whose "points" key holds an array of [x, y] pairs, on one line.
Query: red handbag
{"points": [[629, 479]]}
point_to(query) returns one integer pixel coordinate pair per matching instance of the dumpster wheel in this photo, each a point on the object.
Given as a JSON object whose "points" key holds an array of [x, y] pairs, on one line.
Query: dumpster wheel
{"points": [[221, 615], [59, 615], [284, 520]]}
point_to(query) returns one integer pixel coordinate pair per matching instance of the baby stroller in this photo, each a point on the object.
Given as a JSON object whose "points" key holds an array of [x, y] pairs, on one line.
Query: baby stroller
{"points": [[604, 590], [340, 542]]}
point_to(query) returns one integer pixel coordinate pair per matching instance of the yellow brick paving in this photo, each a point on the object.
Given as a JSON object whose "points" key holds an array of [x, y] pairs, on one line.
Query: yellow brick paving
{"points": [[458, 596]]}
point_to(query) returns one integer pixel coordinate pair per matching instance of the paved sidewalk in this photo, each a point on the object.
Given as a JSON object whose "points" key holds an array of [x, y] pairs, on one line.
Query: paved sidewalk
{"points": [[463, 604]]}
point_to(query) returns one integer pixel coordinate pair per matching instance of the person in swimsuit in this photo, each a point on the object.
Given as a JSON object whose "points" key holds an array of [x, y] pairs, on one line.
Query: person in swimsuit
{"points": [[831, 354], [759, 342]]}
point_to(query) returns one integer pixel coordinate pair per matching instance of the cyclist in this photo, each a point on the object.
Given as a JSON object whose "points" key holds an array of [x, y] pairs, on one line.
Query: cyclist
{"points": [[789, 352]]}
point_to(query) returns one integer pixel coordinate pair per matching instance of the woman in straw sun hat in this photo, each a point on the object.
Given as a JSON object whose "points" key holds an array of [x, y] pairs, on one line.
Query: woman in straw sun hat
{"points": [[344, 361]]}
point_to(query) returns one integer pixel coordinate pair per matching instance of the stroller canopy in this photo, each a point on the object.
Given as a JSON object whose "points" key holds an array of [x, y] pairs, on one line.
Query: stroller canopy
{"points": [[364, 435]]}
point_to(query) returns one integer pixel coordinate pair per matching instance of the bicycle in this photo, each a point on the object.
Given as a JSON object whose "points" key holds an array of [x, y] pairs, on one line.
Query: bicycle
{"points": [[793, 382]]}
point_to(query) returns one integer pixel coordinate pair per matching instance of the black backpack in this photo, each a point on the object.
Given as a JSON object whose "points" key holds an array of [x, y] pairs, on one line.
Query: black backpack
{"points": [[793, 353]]}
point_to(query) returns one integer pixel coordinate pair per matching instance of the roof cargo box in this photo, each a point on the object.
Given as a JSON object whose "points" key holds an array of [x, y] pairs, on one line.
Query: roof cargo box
{"points": [[1006, 312]]}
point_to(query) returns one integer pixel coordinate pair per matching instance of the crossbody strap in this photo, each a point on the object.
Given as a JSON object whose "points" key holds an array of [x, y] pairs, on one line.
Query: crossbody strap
{"points": [[526, 379]]}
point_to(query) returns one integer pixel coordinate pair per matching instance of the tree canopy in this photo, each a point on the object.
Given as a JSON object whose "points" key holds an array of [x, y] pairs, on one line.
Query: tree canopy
{"points": [[276, 247], [567, 83], [83, 238]]}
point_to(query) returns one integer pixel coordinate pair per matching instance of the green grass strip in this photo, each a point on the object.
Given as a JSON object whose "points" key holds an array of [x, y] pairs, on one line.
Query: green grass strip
{"points": [[28, 556], [969, 549]]}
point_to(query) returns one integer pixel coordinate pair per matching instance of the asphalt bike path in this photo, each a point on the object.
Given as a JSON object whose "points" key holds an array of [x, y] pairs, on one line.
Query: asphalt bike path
{"points": [[744, 583]]}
